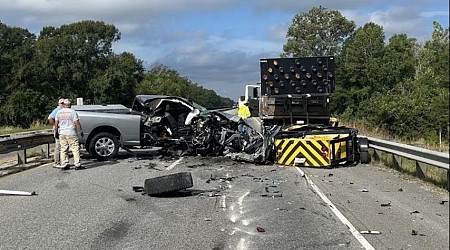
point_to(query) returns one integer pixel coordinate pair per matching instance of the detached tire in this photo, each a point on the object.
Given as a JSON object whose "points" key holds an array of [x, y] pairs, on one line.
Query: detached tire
{"points": [[103, 146], [168, 183]]}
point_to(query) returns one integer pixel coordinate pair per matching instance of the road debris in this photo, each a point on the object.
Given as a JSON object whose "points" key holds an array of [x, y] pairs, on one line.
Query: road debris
{"points": [[370, 232], [138, 189], [364, 190], [20, 193], [386, 204], [414, 212], [168, 183], [443, 202], [260, 229]]}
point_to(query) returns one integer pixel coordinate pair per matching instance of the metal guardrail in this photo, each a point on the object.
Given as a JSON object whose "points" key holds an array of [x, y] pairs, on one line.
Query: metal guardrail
{"points": [[21, 142], [417, 154]]}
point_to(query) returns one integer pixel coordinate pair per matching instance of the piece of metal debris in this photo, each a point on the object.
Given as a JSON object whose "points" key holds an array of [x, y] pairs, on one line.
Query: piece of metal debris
{"points": [[414, 212], [414, 232], [370, 232], [21, 193], [260, 229], [386, 204], [442, 202], [364, 190], [272, 195], [138, 189]]}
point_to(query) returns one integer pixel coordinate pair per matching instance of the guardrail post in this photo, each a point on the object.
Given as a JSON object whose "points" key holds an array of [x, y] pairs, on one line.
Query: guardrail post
{"points": [[376, 155], [448, 180], [395, 163], [22, 157], [421, 169], [45, 151]]}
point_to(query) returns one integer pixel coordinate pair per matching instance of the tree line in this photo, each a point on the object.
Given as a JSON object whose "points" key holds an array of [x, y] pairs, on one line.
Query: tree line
{"points": [[398, 85], [76, 60]]}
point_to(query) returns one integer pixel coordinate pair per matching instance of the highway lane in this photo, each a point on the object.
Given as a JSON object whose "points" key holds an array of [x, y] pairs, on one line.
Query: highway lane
{"points": [[408, 213], [97, 208], [112, 216], [379, 199]]}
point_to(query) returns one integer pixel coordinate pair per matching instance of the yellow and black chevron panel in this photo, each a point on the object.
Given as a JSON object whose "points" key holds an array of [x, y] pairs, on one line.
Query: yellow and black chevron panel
{"points": [[305, 152], [312, 152]]}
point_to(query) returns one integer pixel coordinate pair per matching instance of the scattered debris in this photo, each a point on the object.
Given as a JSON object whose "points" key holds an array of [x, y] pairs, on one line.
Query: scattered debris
{"points": [[443, 202], [207, 219], [400, 189], [260, 229], [330, 174], [370, 232], [272, 195], [138, 189], [21, 193], [386, 204], [414, 232], [364, 190], [414, 212]]}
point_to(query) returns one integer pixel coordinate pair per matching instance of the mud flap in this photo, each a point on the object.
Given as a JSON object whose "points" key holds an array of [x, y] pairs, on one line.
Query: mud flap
{"points": [[168, 183]]}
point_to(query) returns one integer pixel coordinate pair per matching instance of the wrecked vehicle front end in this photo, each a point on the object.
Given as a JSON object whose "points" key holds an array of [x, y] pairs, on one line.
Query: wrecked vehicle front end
{"points": [[182, 127]]}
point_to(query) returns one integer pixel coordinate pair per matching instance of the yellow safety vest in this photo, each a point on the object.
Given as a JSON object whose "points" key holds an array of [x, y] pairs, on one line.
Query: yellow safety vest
{"points": [[244, 112]]}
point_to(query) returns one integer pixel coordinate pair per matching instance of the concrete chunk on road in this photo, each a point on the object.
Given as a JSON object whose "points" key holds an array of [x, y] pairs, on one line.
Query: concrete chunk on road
{"points": [[168, 183]]}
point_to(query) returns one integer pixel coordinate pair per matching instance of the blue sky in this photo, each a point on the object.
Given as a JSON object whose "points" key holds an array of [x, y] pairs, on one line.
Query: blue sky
{"points": [[217, 43]]}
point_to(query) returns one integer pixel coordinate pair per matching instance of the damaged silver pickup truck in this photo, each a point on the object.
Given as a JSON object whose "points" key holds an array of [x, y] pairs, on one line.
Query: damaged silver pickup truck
{"points": [[177, 125]]}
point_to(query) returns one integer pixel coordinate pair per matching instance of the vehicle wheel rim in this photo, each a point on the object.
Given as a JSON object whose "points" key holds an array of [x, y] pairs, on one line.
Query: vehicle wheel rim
{"points": [[104, 146]]}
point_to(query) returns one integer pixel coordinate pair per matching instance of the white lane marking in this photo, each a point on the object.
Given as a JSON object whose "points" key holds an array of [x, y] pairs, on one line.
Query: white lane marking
{"points": [[174, 164], [241, 200], [223, 202], [338, 213], [241, 244]]}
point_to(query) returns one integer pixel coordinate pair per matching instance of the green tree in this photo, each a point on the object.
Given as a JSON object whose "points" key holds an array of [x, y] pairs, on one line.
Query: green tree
{"points": [[118, 82], [398, 63], [16, 74], [317, 32], [359, 72], [73, 54]]}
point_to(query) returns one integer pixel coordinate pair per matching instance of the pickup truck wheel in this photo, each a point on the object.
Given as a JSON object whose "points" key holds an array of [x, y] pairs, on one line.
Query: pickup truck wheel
{"points": [[104, 145]]}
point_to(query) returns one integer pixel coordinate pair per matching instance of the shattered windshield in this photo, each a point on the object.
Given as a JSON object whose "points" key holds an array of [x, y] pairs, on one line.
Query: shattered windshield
{"points": [[203, 110]]}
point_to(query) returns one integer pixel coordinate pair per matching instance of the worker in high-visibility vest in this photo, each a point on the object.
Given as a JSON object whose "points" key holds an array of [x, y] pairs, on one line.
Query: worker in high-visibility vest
{"points": [[244, 111]]}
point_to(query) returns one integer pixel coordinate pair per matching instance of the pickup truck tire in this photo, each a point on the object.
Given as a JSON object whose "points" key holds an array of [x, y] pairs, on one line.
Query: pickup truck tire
{"points": [[103, 146], [168, 183]]}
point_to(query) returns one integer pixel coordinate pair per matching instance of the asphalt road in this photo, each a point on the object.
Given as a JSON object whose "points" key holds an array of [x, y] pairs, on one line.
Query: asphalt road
{"points": [[97, 208]]}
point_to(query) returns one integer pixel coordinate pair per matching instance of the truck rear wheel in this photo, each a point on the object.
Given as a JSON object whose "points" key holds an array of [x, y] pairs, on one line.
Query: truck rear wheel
{"points": [[365, 157], [103, 146]]}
